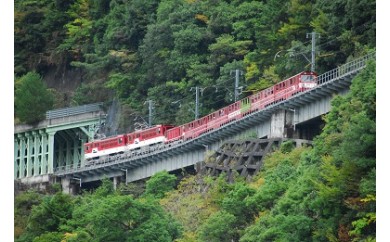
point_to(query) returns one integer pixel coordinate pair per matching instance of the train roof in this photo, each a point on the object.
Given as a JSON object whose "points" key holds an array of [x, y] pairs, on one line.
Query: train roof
{"points": [[106, 138], [153, 127]]}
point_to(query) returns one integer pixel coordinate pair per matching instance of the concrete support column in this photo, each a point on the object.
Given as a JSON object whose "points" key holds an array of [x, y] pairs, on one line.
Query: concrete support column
{"points": [[277, 124], [282, 124], [66, 186], [125, 171], [115, 182], [69, 187], [290, 121], [294, 123]]}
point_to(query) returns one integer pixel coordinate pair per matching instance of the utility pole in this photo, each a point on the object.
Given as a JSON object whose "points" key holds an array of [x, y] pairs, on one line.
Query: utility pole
{"points": [[313, 49], [236, 87], [150, 111], [196, 101]]}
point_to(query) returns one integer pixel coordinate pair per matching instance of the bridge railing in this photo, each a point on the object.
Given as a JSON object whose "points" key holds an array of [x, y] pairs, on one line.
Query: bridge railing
{"points": [[104, 161], [346, 69], [64, 112]]}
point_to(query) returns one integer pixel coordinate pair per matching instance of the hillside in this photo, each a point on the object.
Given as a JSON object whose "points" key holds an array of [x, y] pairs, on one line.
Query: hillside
{"points": [[89, 51]]}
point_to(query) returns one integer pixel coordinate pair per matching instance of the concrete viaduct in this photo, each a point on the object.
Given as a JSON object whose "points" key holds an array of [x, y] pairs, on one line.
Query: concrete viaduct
{"points": [[63, 162]]}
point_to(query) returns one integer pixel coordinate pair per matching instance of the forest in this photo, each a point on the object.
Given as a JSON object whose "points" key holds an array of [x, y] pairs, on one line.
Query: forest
{"points": [[322, 193], [74, 52], [85, 51]]}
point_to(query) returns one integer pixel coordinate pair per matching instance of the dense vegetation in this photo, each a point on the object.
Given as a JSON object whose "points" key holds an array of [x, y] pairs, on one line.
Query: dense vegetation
{"points": [[323, 193], [104, 215], [159, 49]]}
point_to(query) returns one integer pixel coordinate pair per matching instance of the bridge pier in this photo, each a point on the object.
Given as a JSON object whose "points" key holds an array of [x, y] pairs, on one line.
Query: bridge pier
{"points": [[282, 124], [70, 185], [115, 181]]}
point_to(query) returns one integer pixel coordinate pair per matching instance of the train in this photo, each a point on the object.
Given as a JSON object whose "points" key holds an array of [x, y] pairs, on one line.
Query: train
{"points": [[166, 134]]}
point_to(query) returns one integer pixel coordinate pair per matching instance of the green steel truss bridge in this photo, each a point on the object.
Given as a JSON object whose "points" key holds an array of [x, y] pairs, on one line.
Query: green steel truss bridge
{"points": [[55, 142]]}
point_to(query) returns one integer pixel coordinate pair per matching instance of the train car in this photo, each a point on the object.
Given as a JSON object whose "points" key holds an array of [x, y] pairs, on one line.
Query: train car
{"points": [[293, 85], [106, 146], [215, 120], [283, 90], [308, 80], [149, 136], [174, 134]]}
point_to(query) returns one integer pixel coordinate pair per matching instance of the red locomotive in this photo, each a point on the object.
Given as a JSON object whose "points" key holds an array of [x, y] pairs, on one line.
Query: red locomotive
{"points": [[108, 146], [125, 142], [235, 111]]}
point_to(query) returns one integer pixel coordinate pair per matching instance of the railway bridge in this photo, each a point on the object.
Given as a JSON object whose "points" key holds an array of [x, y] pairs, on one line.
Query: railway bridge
{"points": [[54, 142], [290, 118]]}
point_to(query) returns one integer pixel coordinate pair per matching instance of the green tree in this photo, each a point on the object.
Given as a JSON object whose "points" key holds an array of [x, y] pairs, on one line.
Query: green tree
{"points": [[218, 228], [32, 98], [49, 237], [235, 202], [279, 228], [246, 20], [37, 33], [167, 98], [105, 189], [159, 184], [227, 49], [78, 30], [122, 218], [79, 236], [47, 217], [188, 205], [346, 30], [277, 182], [23, 204]]}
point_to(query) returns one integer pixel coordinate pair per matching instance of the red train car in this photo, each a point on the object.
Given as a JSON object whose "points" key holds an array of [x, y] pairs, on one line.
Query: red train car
{"points": [[150, 136], [283, 90], [209, 122], [107, 146], [174, 134]]}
